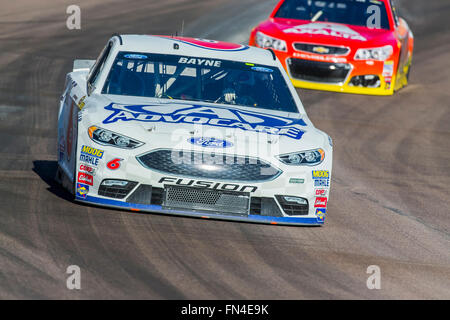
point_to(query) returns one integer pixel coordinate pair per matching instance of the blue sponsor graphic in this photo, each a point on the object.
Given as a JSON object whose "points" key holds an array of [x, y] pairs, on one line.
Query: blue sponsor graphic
{"points": [[321, 182], [135, 56], [91, 155], [261, 69], [82, 190], [210, 142], [207, 115], [321, 213], [89, 159], [321, 178]]}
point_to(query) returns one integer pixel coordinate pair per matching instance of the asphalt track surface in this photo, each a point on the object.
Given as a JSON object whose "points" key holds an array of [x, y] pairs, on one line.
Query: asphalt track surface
{"points": [[389, 202]]}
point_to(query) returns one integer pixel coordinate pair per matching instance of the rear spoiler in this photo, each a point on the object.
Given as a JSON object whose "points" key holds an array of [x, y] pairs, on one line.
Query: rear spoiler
{"points": [[82, 65]]}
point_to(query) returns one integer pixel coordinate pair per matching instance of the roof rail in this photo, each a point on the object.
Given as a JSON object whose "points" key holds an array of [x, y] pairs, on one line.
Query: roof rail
{"points": [[120, 38]]}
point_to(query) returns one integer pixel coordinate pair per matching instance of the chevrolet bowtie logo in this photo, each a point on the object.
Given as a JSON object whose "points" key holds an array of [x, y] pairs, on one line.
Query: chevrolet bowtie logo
{"points": [[321, 50]]}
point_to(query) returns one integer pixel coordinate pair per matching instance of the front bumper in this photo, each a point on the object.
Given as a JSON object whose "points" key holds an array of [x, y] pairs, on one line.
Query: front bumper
{"points": [[343, 82], [111, 203], [335, 81], [148, 190]]}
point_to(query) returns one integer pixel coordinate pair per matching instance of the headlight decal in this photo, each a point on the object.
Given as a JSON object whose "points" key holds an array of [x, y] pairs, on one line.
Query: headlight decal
{"points": [[110, 138], [303, 158], [266, 42], [378, 54]]}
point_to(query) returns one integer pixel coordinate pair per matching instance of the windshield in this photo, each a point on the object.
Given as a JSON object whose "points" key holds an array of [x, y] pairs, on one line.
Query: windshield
{"points": [[199, 79], [368, 13]]}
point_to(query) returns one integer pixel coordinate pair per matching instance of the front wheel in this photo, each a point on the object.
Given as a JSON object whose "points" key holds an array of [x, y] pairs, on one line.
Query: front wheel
{"points": [[64, 181]]}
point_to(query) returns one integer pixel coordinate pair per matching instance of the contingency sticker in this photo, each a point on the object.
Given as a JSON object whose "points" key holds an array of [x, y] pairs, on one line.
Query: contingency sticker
{"points": [[82, 190], [321, 178]]}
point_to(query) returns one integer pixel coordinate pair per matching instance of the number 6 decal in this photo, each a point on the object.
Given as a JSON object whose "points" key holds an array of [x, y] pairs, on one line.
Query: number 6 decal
{"points": [[114, 164]]}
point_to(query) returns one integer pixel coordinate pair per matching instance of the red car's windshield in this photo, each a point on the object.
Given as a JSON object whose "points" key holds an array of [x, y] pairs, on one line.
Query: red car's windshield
{"points": [[368, 13]]}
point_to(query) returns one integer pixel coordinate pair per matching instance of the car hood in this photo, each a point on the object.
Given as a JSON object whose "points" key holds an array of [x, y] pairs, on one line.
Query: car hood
{"points": [[177, 124], [325, 32]]}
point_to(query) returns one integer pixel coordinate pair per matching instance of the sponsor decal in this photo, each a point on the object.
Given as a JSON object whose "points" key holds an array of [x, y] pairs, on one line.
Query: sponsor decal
{"points": [[296, 180], [85, 178], [388, 85], [93, 161], [92, 151], [210, 116], [320, 174], [321, 202], [321, 192], [321, 183], [262, 69], [210, 142], [86, 168], [114, 164], [82, 190], [210, 44], [321, 178], [73, 83], [388, 69], [326, 29], [321, 50], [135, 56], [200, 62], [319, 57], [320, 214], [81, 103], [91, 155], [208, 184]]}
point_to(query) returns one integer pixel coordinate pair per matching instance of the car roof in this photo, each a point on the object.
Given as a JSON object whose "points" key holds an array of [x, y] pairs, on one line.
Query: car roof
{"points": [[195, 47]]}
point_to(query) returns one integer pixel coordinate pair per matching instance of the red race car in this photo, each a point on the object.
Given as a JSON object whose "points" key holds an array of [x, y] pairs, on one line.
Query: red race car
{"points": [[354, 46]]}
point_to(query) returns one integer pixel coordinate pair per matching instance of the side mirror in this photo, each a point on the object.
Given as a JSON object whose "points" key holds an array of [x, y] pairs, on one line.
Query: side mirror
{"points": [[83, 65]]}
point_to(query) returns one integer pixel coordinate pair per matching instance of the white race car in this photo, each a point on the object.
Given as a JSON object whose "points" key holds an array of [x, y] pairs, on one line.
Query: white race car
{"points": [[191, 127]]}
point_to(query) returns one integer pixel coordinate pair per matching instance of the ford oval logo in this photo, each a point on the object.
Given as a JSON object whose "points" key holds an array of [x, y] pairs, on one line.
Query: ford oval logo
{"points": [[210, 142]]}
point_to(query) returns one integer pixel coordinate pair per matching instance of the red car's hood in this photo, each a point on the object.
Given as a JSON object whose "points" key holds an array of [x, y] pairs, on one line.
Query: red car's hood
{"points": [[325, 32]]}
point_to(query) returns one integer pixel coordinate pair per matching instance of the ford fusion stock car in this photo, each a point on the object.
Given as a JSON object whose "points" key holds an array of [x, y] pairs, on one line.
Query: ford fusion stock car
{"points": [[353, 46], [191, 127]]}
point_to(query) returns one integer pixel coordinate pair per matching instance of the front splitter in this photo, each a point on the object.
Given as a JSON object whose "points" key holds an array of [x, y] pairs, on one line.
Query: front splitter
{"points": [[135, 207]]}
